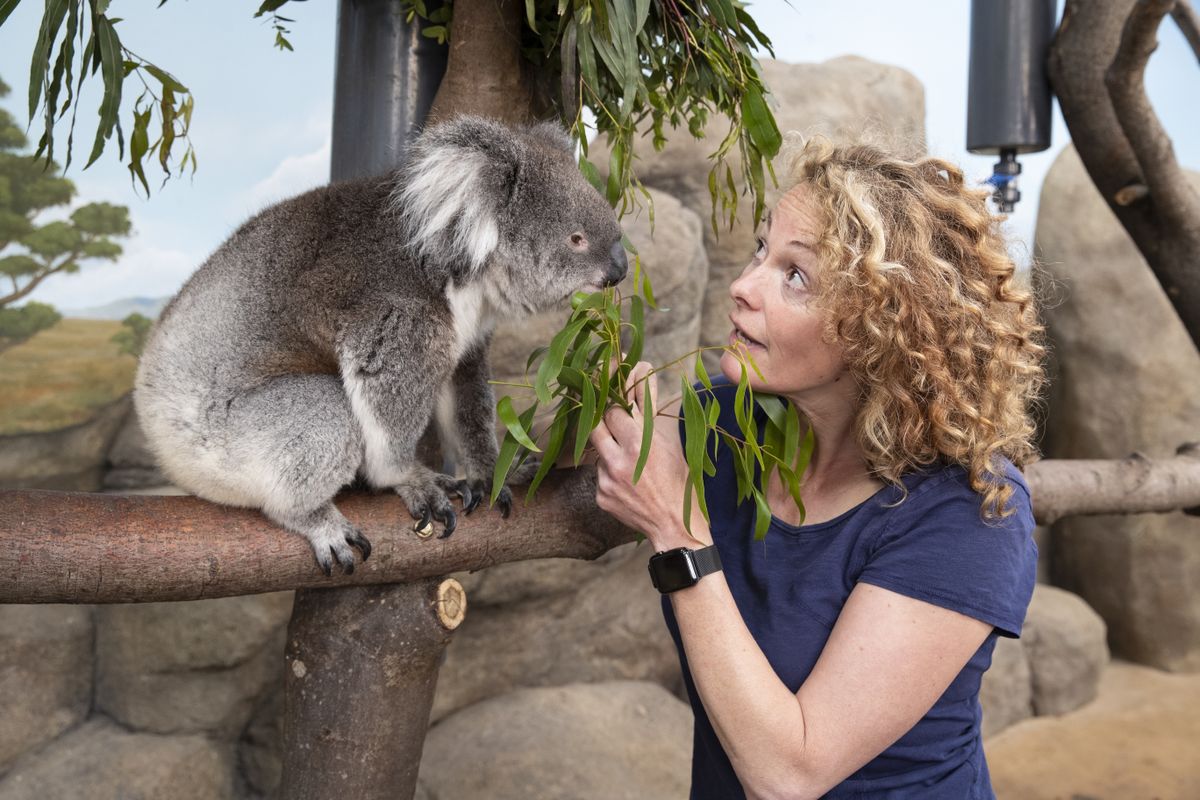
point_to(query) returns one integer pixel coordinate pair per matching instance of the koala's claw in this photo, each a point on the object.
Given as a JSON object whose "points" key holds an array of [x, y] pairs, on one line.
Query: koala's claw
{"points": [[422, 516], [504, 500], [448, 519], [356, 539]]}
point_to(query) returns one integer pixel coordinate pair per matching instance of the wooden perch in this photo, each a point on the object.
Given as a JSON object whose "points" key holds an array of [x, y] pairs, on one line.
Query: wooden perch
{"points": [[59, 547], [1133, 485]]}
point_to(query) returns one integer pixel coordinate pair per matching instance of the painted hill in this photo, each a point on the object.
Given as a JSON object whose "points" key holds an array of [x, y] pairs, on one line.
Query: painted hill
{"points": [[119, 309]]}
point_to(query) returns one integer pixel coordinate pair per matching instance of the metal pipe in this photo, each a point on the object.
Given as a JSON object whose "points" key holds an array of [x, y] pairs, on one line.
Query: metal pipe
{"points": [[386, 77]]}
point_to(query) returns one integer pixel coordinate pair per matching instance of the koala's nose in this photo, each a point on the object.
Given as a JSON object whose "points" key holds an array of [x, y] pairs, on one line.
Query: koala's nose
{"points": [[618, 265]]}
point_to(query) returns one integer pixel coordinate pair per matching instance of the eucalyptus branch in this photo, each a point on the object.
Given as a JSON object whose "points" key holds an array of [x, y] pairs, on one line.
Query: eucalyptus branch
{"points": [[584, 372]]}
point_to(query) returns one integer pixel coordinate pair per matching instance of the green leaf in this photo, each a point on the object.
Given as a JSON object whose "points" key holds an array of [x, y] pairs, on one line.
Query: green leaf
{"points": [[268, 6], [139, 141], [592, 174], [110, 105], [587, 412], [504, 410], [553, 362], [638, 326], [508, 450], [537, 353], [530, 13], [52, 19], [695, 433], [760, 122], [762, 519], [616, 162], [647, 429], [167, 80], [702, 373], [6, 8], [558, 432], [774, 408]]}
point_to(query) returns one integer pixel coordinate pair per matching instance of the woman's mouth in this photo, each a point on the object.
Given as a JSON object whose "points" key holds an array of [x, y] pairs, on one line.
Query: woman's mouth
{"points": [[737, 335]]}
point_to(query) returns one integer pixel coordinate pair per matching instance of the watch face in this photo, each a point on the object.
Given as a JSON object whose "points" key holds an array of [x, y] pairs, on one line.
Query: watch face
{"points": [[673, 570]]}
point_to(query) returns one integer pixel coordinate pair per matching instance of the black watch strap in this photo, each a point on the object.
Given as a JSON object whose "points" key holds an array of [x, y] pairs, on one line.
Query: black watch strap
{"points": [[707, 559]]}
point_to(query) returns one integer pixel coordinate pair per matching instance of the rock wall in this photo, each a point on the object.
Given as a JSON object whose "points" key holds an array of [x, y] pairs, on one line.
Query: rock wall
{"points": [[1126, 378], [70, 459]]}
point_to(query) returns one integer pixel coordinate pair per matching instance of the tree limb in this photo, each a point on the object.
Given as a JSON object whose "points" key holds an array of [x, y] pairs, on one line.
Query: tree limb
{"points": [[1185, 17], [1165, 231], [59, 547], [38, 277], [1133, 485], [1174, 198]]}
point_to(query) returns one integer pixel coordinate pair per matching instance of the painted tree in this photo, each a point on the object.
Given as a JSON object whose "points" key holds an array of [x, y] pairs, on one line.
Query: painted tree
{"points": [[31, 251]]}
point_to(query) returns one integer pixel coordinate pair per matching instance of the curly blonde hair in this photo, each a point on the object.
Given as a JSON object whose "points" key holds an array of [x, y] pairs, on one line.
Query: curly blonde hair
{"points": [[943, 340]]}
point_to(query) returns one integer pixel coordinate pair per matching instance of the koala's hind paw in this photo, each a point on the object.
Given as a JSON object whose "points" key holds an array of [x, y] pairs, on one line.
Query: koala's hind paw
{"points": [[337, 545], [330, 534]]}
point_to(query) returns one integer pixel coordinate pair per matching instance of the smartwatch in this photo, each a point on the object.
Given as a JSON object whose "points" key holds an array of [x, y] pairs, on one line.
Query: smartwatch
{"points": [[680, 568]]}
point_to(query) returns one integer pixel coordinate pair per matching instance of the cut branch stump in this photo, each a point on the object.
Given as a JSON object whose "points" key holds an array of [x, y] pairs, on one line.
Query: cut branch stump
{"points": [[362, 664]]}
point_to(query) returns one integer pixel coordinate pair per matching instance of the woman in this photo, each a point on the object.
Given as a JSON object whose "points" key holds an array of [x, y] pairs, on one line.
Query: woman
{"points": [[842, 657]]}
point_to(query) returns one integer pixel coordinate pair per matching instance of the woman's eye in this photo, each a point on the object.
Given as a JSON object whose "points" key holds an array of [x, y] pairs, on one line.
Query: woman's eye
{"points": [[796, 278], [760, 247]]}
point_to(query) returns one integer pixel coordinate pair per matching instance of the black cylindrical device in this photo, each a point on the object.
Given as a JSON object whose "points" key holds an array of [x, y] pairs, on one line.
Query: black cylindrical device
{"points": [[386, 77], [1008, 102]]}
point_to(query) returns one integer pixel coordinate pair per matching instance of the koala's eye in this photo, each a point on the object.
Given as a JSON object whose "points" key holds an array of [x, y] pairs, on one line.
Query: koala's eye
{"points": [[578, 241]]}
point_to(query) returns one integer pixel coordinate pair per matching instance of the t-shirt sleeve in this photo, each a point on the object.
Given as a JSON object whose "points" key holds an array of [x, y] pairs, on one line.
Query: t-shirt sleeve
{"points": [[941, 551]]}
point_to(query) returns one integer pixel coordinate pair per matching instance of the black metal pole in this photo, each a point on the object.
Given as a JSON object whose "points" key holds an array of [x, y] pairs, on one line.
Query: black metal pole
{"points": [[386, 77]]}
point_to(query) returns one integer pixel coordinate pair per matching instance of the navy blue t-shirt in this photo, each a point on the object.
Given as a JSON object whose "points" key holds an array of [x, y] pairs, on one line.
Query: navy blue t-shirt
{"points": [[791, 586]]}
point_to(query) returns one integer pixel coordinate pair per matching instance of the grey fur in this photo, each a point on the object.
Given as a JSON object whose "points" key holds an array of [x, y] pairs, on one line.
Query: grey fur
{"points": [[314, 344]]}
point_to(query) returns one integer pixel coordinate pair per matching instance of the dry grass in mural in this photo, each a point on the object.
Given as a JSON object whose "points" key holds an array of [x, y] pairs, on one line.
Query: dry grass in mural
{"points": [[62, 376]]}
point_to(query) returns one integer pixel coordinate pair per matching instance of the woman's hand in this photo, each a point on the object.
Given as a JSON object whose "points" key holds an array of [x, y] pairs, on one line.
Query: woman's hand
{"points": [[654, 505]]}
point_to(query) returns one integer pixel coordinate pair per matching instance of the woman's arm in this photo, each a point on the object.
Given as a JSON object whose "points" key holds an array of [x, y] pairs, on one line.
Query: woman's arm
{"points": [[888, 658]]}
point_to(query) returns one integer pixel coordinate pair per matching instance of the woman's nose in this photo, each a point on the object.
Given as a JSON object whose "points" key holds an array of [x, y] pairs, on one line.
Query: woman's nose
{"points": [[744, 289]]}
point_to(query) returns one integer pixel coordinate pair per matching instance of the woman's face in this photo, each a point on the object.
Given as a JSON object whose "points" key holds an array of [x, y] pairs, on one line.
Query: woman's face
{"points": [[773, 314]]}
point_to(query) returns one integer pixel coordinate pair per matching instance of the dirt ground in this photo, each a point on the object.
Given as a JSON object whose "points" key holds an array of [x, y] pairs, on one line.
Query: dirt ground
{"points": [[1139, 740]]}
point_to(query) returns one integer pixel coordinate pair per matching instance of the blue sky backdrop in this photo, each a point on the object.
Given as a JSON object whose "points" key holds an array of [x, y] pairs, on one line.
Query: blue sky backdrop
{"points": [[262, 121]]}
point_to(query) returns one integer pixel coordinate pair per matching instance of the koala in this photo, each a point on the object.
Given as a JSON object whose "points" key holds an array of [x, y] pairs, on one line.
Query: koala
{"points": [[316, 344]]}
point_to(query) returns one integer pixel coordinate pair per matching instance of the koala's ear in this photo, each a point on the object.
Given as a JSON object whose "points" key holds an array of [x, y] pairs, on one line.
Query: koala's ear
{"points": [[449, 194]]}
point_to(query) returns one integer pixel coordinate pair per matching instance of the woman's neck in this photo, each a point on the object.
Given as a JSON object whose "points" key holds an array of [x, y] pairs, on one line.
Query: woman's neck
{"points": [[838, 475]]}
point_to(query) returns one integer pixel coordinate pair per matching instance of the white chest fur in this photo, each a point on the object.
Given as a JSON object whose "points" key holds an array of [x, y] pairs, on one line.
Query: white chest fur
{"points": [[472, 315]]}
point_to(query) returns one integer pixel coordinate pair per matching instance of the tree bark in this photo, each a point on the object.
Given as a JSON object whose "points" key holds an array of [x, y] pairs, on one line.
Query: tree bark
{"points": [[484, 74], [362, 665], [58, 547], [1123, 146]]}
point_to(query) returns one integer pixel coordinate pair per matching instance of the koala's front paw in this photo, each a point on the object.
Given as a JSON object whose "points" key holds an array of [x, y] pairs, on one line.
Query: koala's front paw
{"points": [[427, 495]]}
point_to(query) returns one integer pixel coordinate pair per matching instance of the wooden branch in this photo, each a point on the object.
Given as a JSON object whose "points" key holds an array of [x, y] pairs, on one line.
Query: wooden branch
{"points": [[1131, 165], [1133, 485], [61, 547], [1175, 201], [1185, 17], [362, 665], [64, 547]]}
